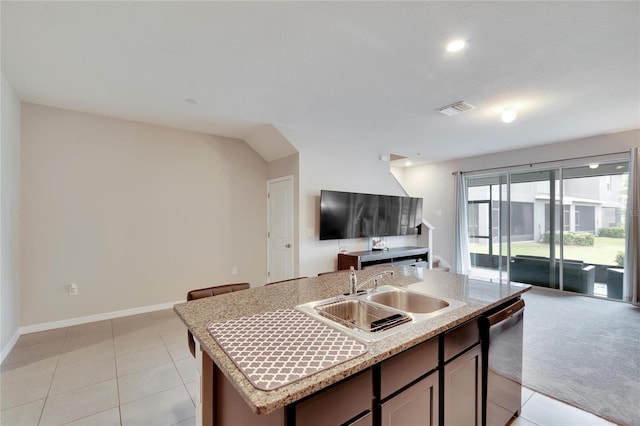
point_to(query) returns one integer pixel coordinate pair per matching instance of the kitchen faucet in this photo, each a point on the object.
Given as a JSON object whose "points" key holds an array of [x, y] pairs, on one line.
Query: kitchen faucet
{"points": [[353, 280]]}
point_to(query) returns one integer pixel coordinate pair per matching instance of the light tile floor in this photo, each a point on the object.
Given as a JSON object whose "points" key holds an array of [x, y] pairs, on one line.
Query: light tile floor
{"points": [[138, 371], [540, 410], [133, 370]]}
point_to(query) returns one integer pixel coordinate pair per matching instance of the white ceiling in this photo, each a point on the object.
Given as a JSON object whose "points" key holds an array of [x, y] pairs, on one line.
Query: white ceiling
{"points": [[368, 73]]}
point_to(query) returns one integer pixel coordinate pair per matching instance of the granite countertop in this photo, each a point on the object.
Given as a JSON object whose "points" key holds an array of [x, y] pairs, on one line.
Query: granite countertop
{"points": [[479, 296]]}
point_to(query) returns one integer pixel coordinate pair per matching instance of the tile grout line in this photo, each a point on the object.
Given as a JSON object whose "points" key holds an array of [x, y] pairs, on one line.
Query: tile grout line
{"points": [[115, 362], [87, 416], [179, 375], [53, 376], [527, 400], [173, 361], [72, 390], [184, 384]]}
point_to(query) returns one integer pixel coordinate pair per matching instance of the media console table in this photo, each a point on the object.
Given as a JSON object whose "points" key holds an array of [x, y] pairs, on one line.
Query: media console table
{"points": [[418, 256]]}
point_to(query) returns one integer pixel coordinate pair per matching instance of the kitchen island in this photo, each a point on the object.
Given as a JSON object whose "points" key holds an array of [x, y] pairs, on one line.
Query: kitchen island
{"points": [[411, 363]]}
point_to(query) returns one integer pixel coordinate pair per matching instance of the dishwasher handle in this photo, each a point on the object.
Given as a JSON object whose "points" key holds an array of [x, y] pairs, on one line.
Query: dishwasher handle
{"points": [[505, 313]]}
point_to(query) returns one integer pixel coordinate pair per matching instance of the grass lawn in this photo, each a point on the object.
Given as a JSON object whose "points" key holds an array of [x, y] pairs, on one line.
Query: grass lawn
{"points": [[602, 252]]}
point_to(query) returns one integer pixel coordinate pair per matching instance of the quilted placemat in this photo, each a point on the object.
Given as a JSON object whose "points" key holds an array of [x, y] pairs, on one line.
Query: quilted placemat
{"points": [[277, 348]]}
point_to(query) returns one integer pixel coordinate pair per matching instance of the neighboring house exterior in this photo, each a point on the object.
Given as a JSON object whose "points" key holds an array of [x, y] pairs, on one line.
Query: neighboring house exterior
{"points": [[588, 204]]}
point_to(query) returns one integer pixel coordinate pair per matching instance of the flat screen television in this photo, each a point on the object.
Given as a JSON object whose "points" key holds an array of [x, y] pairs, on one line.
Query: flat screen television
{"points": [[345, 215]]}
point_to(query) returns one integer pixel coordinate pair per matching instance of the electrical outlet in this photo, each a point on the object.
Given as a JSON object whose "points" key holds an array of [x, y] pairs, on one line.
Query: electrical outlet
{"points": [[234, 270], [73, 289]]}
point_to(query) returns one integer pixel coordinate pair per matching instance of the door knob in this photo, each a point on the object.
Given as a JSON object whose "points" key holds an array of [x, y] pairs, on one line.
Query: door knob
{"points": [[288, 245]]}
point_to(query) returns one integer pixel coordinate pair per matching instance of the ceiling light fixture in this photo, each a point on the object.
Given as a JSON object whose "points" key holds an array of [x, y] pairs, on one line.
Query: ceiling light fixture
{"points": [[508, 115], [594, 166], [456, 45], [408, 163]]}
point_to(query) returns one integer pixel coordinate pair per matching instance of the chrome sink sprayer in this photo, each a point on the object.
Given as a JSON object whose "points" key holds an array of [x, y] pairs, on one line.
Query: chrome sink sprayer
{"points": [[353, 280]]}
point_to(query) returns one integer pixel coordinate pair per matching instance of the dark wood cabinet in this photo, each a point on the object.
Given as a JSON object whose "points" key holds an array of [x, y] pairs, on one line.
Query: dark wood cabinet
{"points": [[409, 383], [349, 399], [417, 405], [462, 376], [408, 366], [392, 256], [462, 389]]}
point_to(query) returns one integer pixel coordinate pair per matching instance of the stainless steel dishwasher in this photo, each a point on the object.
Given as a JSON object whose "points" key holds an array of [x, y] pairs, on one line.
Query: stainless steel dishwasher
{"points": [[502, 363]]}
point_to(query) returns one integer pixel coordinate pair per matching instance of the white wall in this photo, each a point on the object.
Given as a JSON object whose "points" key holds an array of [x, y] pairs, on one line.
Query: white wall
{"points": [[135, 214], [9, 218], [326, 164], [435, 183]]}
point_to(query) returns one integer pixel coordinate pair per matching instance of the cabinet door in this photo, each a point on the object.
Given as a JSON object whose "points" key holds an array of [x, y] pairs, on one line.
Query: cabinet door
{"points": [[338, 404], [417, 405], [463, 389]]}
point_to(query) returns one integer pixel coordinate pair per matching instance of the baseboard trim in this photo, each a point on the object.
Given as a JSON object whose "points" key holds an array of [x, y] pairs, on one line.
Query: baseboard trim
{"points": [[97, 317], [9, 346]]}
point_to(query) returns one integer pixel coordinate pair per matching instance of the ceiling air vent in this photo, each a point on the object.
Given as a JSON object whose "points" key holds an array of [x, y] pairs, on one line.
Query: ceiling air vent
{"points": [[456, 108]]}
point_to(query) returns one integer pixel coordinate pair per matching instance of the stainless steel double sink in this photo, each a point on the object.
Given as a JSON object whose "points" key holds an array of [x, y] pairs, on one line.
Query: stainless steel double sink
{"points": [[375, 315]]}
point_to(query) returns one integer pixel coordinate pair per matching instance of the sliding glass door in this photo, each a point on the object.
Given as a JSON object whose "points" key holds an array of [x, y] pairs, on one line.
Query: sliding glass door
{"points": [[487, 226], [534, 227], [561, 227], [595, 198]]}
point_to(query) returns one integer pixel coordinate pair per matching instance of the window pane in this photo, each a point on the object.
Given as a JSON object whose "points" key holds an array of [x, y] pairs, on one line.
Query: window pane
{"points": [[533, 241], [594, 243]]}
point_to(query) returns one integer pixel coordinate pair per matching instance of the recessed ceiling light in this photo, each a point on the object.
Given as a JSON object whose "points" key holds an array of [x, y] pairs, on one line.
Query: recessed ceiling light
{"points": [[408, 163], [456, 45], [192, 101], [594, 166], [508, 115]]}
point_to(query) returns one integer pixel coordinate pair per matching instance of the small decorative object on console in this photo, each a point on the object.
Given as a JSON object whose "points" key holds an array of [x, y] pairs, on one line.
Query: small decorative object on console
{"points": [[378, 243]]}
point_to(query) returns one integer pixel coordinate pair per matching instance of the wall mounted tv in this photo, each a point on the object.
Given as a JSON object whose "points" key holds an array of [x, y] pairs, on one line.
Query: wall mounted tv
{"points": [[345, 215]]}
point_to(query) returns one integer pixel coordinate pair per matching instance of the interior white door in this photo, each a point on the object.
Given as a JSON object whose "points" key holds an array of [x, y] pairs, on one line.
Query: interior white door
{"points": [[280, 229]]}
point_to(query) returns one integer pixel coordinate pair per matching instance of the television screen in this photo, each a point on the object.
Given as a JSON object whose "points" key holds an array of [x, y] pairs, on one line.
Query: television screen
{"points": [[345, 215]]}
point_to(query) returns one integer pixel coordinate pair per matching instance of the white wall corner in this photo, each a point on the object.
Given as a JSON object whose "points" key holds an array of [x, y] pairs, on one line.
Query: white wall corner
{"points": [[270, 143], [396, 173], [10, 216], [9, 346]]}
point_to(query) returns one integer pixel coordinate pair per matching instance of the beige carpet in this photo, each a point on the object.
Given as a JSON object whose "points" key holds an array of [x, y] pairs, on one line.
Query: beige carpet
{"points": [[584, 351]]}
